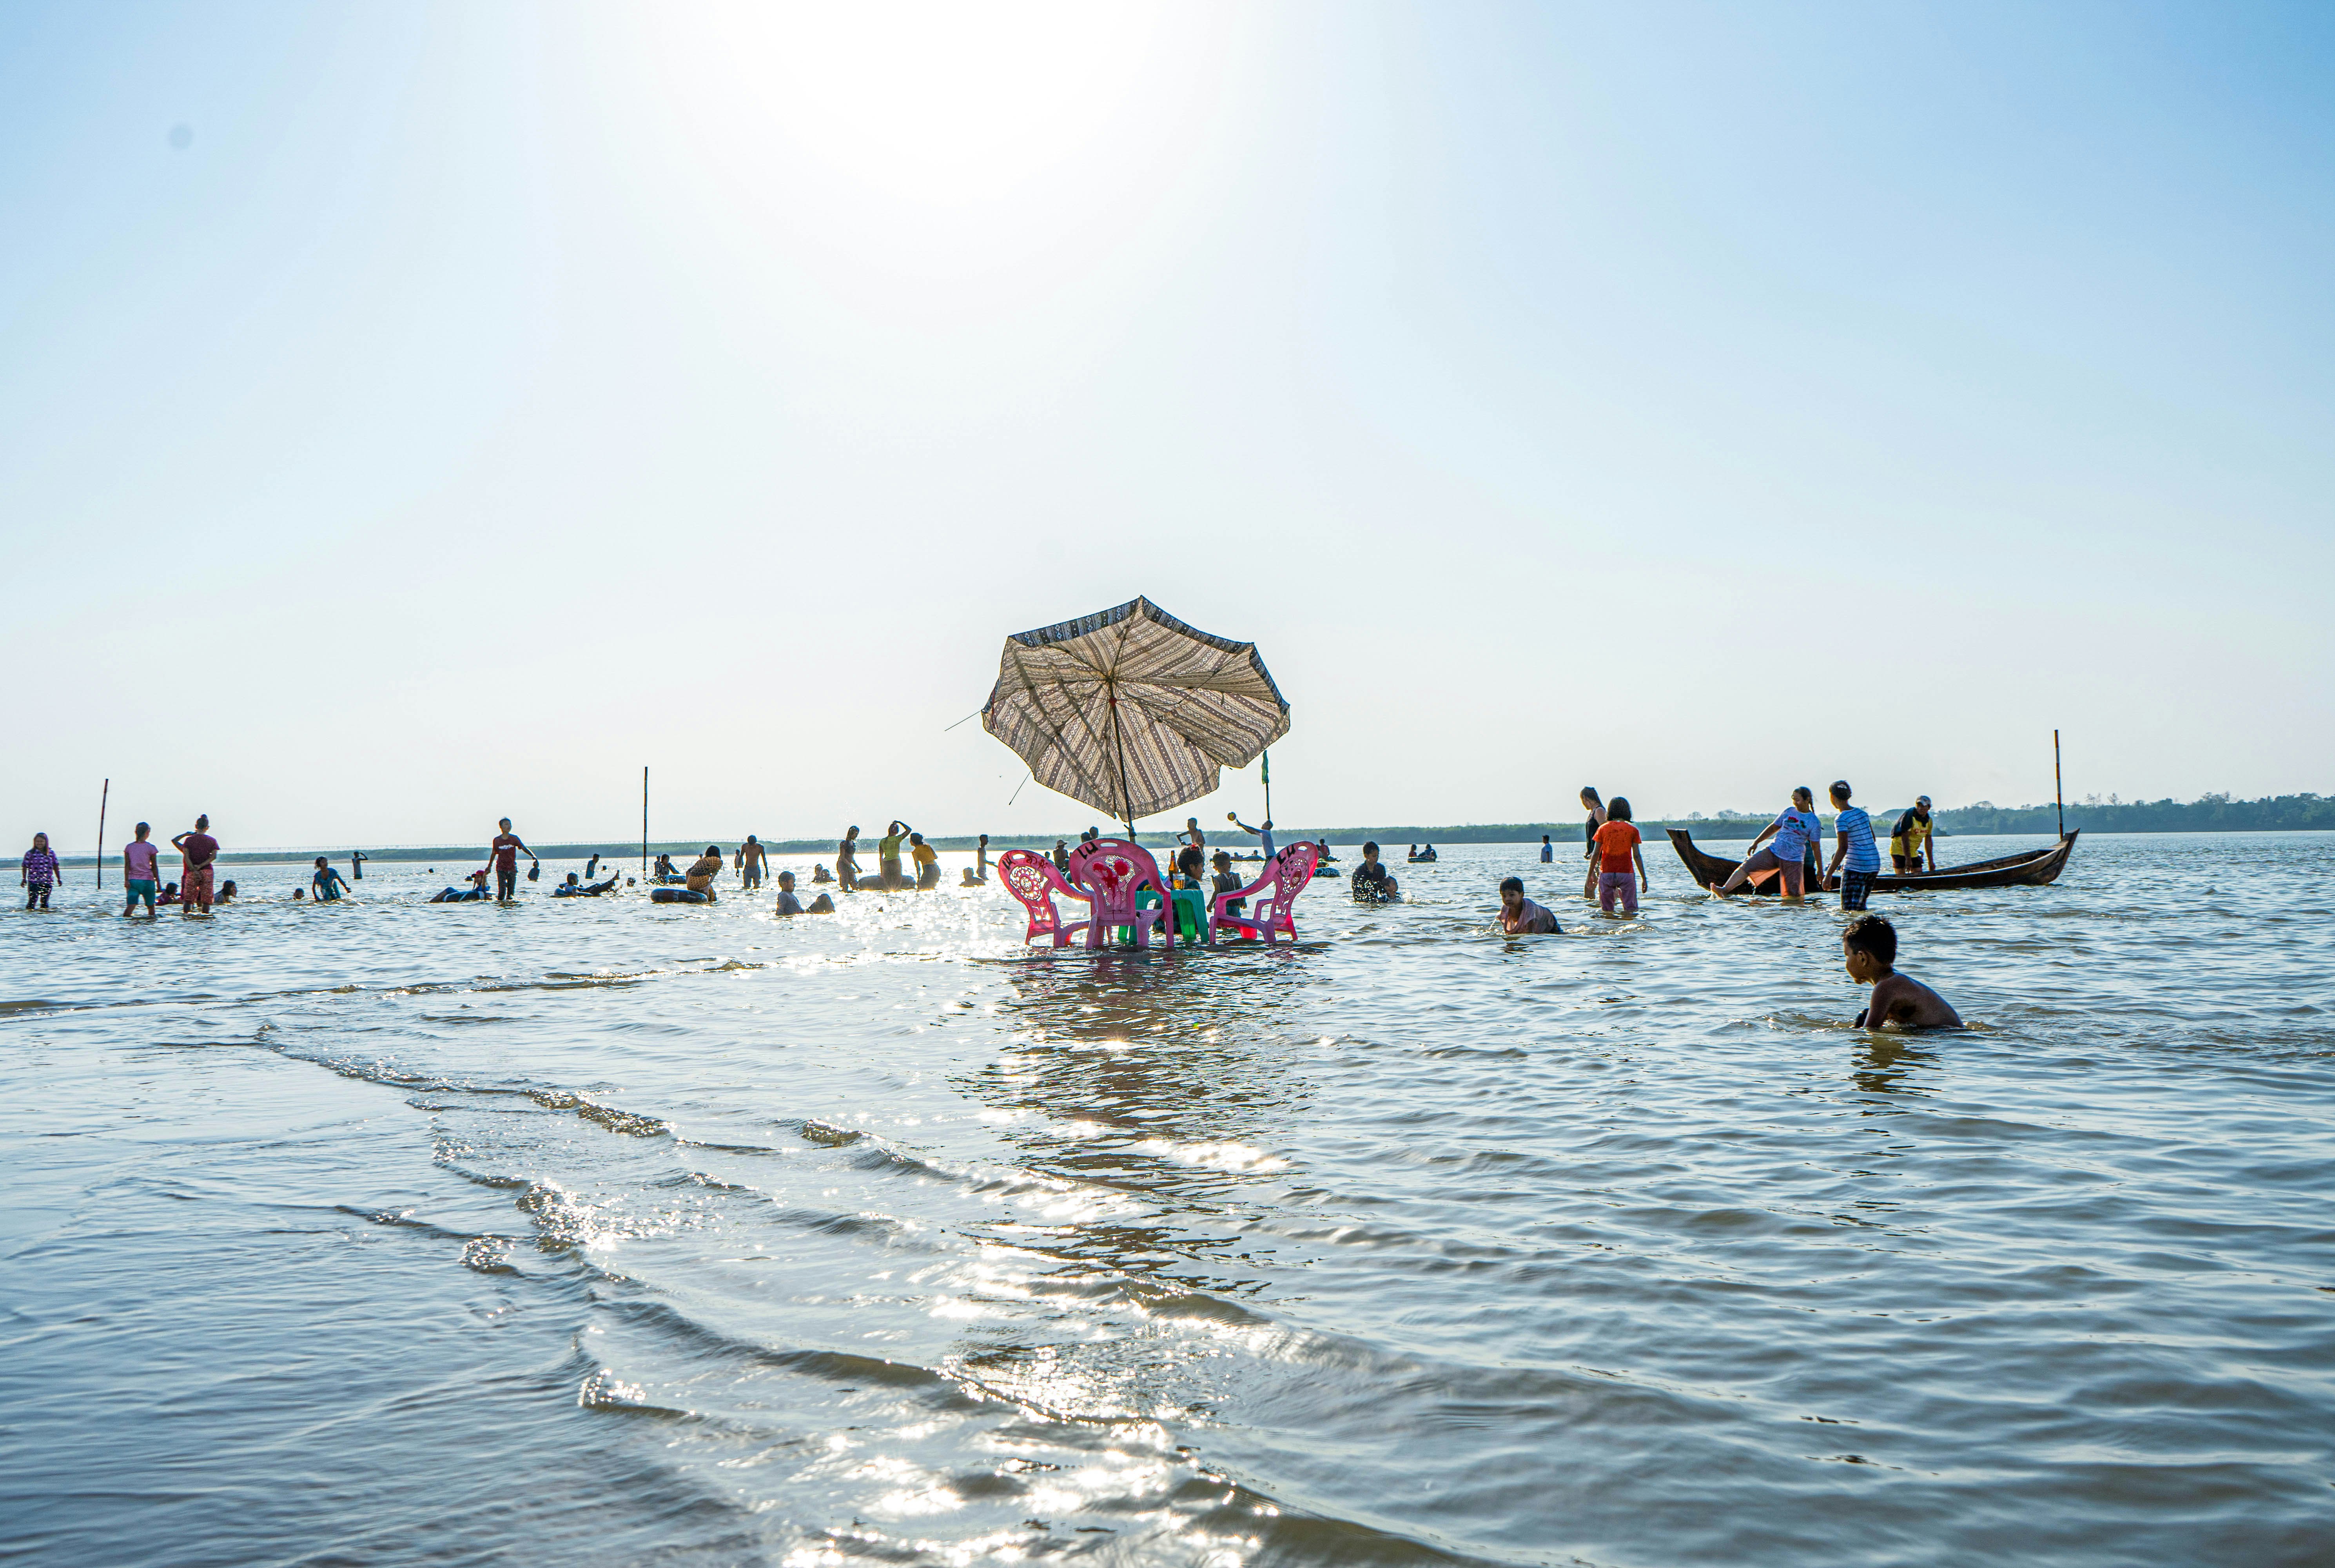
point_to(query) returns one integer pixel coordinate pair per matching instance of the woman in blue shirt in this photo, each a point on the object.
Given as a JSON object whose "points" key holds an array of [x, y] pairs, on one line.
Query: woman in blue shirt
{"points": [[1854, 829]]}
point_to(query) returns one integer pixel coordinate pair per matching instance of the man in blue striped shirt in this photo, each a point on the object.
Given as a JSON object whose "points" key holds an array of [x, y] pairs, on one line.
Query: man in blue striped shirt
{"points": [[1854, 830]]}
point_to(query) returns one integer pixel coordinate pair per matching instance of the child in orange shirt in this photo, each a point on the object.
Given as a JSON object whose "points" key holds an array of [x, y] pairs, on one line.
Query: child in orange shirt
{"points": [[1617, 846]]}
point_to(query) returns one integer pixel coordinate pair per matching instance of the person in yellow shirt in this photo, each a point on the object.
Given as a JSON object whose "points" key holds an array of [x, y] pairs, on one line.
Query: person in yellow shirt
{"points": [[1910, 840], [929, 863], [887, 856]]}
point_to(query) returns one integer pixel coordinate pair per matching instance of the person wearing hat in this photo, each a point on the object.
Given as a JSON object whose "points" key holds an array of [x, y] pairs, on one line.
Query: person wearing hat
{"points": [[1910, 838]]}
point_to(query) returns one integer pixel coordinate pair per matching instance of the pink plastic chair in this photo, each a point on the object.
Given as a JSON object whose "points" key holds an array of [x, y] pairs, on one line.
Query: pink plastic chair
{"points": [[1273, 893], [1034, 880], [1111, 872]]}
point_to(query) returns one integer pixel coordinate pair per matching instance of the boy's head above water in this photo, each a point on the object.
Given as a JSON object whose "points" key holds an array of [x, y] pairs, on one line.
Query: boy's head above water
{"points": [[786, 880], [1512, 892], [1869, 946]]}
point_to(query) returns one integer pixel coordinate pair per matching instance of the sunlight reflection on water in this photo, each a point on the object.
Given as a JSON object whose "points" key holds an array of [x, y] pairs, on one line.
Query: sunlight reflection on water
{"points": [[599, 1231]]}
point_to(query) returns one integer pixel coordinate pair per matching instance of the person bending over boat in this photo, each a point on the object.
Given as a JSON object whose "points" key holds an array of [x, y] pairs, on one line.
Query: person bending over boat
{"points": [[1869, 950], [1796, 832], [700, 878], [1370, 882], [1519, 915], [1912, 838], [929, 863]]}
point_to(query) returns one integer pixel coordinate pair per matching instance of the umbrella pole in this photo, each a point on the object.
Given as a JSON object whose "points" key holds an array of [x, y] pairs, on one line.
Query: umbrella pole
{"points": [[1119, 744]]}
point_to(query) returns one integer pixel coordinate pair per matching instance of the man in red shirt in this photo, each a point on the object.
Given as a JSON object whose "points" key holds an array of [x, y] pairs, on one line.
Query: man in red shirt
{"points": [[198, 854], [506, 850]]}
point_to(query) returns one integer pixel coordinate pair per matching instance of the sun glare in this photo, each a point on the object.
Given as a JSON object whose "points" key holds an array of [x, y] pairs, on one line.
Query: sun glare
{"points": [[941, 105]]}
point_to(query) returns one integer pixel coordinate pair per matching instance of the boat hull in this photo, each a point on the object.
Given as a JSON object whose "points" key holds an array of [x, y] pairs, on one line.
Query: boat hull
{"points": [[2029, 869]]}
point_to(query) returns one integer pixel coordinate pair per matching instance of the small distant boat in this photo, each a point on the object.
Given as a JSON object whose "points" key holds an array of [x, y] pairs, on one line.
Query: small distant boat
{"points": [[2028, 869], [1429, 859]]}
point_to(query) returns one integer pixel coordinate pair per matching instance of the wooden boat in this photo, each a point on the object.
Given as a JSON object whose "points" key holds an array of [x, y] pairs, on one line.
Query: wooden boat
{"points": [[2028, 869]]}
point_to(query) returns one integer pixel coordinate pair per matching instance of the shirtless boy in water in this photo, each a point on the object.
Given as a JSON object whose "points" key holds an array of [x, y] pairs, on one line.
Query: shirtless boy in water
{"points": [[1869, 946]]}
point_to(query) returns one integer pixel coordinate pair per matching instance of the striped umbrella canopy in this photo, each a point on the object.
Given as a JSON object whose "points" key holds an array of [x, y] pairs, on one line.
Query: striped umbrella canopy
{"points": [[1131, 710]]}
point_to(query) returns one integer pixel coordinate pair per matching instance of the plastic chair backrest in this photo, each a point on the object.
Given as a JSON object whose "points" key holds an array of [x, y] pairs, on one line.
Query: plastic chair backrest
{"points": [[1289, 874], [1111, 872], [1034, 879]]}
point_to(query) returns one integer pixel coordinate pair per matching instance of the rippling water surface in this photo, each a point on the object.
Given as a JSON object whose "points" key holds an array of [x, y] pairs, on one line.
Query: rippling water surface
{"points": [[606, 1232]]}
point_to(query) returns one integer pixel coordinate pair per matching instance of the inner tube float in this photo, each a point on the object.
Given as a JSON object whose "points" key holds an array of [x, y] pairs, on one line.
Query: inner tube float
{"points": [[1326, 871], [678, 896]]}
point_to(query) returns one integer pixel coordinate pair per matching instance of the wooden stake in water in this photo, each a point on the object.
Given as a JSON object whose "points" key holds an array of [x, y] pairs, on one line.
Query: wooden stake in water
{"points": [[2059, 793], [644, 822], [102, 795]]}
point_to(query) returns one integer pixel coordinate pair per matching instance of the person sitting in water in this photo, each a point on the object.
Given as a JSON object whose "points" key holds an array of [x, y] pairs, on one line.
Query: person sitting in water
{"points": [[1869, 949], [226, 893], [575, 887], [1062, 855], [477, 891], [1370, 882], [927, 862], [1519, 915], [787, 902], [663, 870], [972, 879], [326, 881], [1190, 862], [299, 894], [170, 894], [1227, 880], [819, 873], [701, 876]]}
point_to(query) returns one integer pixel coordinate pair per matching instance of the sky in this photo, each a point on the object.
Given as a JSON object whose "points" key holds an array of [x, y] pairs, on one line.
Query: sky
{"points": [[415, 415]]}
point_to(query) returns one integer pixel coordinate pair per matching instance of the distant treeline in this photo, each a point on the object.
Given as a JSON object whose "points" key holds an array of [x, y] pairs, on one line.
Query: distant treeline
{"points": [[2208, 814]]}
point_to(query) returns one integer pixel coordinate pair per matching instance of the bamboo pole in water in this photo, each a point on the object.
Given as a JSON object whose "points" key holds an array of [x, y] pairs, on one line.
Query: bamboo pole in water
{"points": [[644, 823], [2059, 793], [103, 793]]}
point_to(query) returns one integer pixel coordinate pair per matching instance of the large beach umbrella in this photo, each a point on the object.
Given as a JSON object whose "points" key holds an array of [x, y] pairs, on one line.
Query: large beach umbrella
{"points": [[1131, 710]]}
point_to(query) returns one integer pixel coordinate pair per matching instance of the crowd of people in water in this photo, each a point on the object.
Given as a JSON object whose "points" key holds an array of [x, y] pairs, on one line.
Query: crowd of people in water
{"points": [[1787, 851]]}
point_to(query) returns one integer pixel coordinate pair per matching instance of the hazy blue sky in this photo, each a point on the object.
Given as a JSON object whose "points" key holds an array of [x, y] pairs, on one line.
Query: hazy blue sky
{"points": [[487, 399]]}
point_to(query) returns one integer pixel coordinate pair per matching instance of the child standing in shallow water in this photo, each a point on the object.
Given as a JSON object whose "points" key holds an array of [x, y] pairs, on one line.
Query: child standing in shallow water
{"points": [[38, 873], [1617, 844]]}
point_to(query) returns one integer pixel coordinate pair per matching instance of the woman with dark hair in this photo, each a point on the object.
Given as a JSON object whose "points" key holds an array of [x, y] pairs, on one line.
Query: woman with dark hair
{"points": [[1596, 809]]}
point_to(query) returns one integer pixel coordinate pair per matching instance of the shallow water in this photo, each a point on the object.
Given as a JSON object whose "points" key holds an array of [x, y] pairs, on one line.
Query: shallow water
{"points": [[604, 1233]]}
